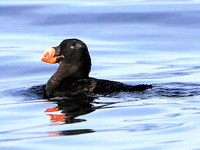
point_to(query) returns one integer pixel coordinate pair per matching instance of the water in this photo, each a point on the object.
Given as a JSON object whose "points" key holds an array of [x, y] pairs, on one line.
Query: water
{"points": [[134, 42]]}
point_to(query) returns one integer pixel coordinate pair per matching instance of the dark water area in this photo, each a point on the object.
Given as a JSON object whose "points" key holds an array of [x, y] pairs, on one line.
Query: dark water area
{"points": [[134, 42]]}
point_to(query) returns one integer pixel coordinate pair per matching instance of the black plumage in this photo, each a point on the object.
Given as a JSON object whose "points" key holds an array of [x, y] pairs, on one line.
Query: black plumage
{"points": [[72, 77]]}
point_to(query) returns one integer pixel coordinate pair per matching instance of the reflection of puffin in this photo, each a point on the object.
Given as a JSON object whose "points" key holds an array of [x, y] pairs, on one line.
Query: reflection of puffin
{"points": [[71, 78], [70, 109]]}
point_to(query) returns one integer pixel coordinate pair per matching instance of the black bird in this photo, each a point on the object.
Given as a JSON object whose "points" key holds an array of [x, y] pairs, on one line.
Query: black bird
{"points": [[72, 77]]}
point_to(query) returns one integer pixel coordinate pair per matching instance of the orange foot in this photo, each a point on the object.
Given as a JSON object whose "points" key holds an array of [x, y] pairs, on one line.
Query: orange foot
{"points": [[51, 109], [56, 118]]}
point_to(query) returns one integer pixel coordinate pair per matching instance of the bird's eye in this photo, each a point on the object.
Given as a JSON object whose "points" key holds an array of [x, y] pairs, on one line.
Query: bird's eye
{"points": [[72, 47]]}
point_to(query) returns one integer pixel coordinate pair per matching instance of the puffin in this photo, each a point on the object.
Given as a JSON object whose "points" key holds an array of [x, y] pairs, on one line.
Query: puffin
{"points": [[72, 76]]}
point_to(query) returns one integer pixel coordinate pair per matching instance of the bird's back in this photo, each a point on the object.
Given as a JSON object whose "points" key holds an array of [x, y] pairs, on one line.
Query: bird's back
{"points": [[70, 87]]}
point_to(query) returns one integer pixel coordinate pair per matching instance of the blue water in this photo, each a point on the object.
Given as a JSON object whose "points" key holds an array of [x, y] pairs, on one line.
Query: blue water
{"points": [[134, 42]]}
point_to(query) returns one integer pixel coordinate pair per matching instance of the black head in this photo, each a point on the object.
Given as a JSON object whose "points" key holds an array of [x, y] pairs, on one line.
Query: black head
{"points": [[70, 53], [74, 51]]}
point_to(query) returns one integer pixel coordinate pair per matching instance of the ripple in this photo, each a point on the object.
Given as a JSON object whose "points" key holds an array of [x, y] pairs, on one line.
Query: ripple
{"points": [[151, 126]]}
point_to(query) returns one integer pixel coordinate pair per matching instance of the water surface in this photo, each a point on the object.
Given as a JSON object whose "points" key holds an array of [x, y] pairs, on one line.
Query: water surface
{"points": [[132, 42]]}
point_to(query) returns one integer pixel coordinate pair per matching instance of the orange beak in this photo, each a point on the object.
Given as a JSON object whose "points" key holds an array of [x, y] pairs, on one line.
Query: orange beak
{"points": [[48, 56]]}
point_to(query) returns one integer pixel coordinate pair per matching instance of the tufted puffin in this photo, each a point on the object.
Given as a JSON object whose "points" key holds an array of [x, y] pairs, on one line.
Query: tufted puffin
{"points": [[72, 76]]}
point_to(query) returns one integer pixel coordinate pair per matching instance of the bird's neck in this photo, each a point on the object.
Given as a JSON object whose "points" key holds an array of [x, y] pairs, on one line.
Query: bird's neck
{"points": [[64, 71]]}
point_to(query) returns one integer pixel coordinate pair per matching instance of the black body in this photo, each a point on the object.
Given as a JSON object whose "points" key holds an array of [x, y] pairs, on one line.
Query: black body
{"points": [[72, 77]]}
